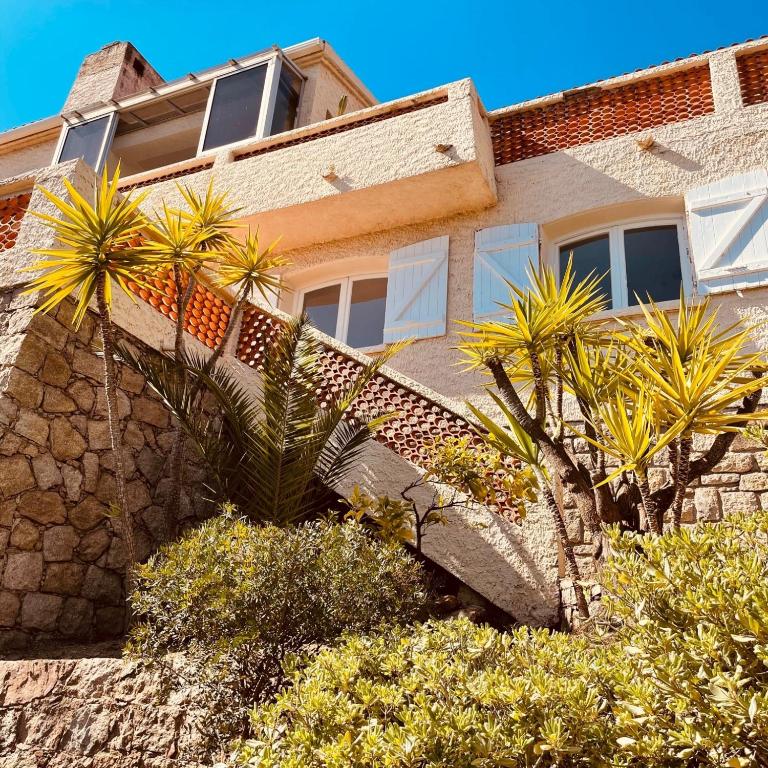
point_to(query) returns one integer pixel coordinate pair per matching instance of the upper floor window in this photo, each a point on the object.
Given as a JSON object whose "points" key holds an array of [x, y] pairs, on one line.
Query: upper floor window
{"points": [[635, 261], [351, 309], [179, 121]]}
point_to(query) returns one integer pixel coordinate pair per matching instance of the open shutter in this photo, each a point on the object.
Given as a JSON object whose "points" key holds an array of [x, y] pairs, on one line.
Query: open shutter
{"points": [[502, 254], [728, 232], [417, 291]]}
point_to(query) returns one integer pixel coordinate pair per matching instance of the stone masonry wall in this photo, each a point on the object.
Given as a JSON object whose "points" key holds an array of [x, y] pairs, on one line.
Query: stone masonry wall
{"points": [[61, 563], [97, 712]]}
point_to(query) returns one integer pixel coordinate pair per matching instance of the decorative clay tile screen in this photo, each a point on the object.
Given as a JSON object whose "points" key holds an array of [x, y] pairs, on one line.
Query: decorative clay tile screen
{"points": [[12, 210], [206, 317], [418, 421], [346, 127], [753, 77], [166, 177], [602, 113]]}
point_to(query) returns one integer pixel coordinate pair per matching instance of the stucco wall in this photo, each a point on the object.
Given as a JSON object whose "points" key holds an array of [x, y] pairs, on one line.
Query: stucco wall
{"points": [[27, 159]]}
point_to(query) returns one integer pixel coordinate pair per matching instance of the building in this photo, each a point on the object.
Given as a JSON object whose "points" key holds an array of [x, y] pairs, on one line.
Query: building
{"points": [[399, 220]]}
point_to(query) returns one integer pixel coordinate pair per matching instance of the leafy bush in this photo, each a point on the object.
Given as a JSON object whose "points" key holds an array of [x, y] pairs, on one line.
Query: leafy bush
{"points": [[236, 598], [682, 681]]}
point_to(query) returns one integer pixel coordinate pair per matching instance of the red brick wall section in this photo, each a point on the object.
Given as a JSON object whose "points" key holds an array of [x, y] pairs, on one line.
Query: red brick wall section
{"points": [[12, 210], [753, 77], [602, 113], [206, 317]]}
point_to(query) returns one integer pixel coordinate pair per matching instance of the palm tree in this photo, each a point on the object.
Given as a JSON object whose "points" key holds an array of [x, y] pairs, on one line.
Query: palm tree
{"points": [[98, 247], [513, 441], [277, 451]]}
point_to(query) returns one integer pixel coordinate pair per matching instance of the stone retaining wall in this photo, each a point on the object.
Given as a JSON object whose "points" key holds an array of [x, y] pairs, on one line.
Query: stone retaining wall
{"points": [[61, 564], [98, 712]]}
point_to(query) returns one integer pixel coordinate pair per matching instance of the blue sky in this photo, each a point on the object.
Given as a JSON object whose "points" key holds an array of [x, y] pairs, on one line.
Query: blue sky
{"points": [[513, 50]]}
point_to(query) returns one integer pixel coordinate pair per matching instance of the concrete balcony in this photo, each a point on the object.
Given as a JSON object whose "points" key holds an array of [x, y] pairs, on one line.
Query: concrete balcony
{"points": [[391, 165]]}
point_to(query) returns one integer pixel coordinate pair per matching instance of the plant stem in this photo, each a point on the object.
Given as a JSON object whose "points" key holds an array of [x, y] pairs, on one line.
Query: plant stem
{"points": [[115, 434], [651, 513], [681, 479], [571, 564]]}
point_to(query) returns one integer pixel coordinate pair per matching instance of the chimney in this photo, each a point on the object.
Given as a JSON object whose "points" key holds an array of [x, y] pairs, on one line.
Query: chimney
{"points": [[116, 71]]}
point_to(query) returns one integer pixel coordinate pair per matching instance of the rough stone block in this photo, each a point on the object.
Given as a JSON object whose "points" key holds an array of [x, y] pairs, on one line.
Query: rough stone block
{"points": [[39, 611], [735, 502], [9, 609], [150, 464], [757, 481], [73, 482], [49, 330], [93, 545], [15, 476], [133, 436], [87, 364], [707, 504], [83, 394], [23, 570], [66, 442], [98, 435], [88, 514], [150, 412], [25, 535], [137, 496], [736, 462], [131, 381], [30, 355], [46, 471], [33, 427], [90, 472], [43, 507], [64, 578], [59, 543], [123, 404], [56, 370], [717, 479], [55, 401], [76, 618], [102, 586], [25, 389]]}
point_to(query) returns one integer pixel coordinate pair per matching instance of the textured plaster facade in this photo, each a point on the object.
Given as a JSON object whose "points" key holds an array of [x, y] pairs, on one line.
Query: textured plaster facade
{"points": [[348, 191]]}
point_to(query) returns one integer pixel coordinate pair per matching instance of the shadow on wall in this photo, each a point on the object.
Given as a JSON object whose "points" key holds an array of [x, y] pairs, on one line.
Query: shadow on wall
{"points": [[513, 566]]}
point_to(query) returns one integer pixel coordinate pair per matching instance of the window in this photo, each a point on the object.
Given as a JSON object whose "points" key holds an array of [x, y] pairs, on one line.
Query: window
{"points": [[351, 310], [235, 107], [87, 140], [634, 261], [286, 101]]}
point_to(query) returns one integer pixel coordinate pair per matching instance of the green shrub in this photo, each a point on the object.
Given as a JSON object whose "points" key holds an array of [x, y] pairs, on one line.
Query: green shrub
{"points": [[236, 598], [683, 681]]}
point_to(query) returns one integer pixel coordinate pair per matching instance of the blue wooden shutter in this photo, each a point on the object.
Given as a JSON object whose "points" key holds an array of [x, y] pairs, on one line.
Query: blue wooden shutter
{"points": [[728, 232], [417, 291], [502, 254]]}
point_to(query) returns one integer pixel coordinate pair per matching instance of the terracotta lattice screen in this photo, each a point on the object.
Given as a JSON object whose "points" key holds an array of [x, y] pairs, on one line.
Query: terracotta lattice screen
{"points": [[595, 114], [12, 210], [753, 77]]}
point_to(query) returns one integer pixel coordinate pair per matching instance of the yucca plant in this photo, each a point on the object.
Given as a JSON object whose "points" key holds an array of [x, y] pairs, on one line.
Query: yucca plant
{"points": [[183, 240], [97, 247], [640, 389], [274, 451], [511, 440]]}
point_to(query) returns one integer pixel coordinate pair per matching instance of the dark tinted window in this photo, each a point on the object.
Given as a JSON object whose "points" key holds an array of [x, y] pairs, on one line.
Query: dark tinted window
{"points": [[85, 141], [653, 263], [591, 255], [287, 101], [366, 313], [322, 306], [235, 109]]}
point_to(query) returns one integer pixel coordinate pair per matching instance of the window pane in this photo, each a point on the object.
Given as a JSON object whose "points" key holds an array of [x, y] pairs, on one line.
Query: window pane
{"points": [[236, 105], [366, 313], [287, 101], [653, 263], [591, 255], [85, 141], [322, 306]]}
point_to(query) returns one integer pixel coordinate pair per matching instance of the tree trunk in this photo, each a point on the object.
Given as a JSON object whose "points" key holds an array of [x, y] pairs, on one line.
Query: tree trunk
{"points": [[571, 564], [115, 433], [556, 455], [681, 480], [649, 504], [173, 502]]}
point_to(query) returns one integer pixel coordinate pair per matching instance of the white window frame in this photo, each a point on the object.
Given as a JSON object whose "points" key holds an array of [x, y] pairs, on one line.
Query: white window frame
{"points": [[345, 303], [275, 63], [618, 266], [106, 142]]}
